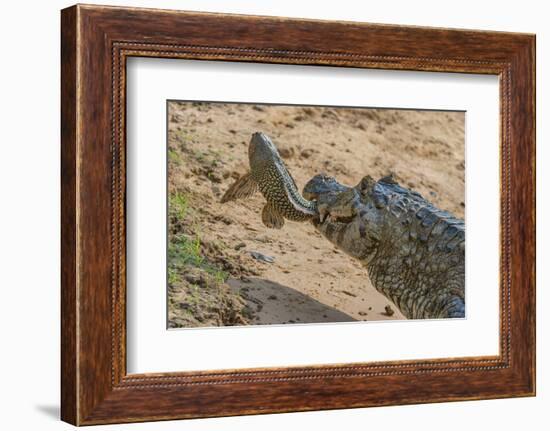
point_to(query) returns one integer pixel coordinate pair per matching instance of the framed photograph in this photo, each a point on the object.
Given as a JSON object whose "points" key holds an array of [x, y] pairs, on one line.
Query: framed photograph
{"points": [[264, 215]]}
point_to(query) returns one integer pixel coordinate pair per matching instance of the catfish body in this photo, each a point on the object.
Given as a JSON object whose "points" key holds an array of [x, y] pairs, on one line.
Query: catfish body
{"points": [[269, 175]]}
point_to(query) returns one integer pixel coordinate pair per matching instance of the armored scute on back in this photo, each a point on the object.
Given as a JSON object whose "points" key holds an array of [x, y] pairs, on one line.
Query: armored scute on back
{"points": [[269, 174], [413, 251]]}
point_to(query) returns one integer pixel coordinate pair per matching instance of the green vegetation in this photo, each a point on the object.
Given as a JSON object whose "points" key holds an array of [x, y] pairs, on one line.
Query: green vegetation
{"points": [[184, 248], [184, 251], [197, 291], [173, 276], [174, 157], [178, 204], [218, 275]]}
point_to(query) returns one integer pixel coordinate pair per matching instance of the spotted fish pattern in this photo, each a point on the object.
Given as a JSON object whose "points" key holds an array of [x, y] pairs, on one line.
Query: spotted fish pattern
{"points": [[269, 175]]}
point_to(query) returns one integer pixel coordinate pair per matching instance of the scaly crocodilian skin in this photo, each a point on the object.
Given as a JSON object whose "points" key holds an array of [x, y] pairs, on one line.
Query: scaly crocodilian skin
{"points": [[413, 251]]}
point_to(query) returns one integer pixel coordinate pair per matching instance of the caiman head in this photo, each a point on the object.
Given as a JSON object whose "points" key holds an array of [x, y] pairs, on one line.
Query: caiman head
{"points": [[347, 215]]}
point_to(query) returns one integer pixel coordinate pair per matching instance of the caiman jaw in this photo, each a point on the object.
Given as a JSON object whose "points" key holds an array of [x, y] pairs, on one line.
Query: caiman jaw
{"points": [[323, 190], [326, 216], [338, 207]]}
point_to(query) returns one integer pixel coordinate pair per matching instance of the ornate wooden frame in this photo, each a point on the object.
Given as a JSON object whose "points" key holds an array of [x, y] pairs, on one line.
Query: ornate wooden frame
{"points": [[95, 43]]}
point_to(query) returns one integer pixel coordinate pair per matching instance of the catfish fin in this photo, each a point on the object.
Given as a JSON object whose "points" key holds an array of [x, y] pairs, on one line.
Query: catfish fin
{"points": [[271, 217], [242, 188]]}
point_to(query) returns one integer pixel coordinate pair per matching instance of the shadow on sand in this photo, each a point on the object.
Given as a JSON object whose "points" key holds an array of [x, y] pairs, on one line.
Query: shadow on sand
{"points": [[276, 304]]}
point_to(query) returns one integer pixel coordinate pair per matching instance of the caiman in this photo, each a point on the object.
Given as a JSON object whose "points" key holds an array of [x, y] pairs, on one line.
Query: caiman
{"points": [[413, 251]]}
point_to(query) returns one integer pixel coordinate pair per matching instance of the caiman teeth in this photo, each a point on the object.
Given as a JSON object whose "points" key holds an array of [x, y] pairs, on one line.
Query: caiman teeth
{"points": [[326, 217], [331, 218], [323, 214]]}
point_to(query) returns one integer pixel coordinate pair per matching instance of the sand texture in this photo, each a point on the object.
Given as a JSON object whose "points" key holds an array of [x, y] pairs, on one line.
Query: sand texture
{"points": [[213, 277]]}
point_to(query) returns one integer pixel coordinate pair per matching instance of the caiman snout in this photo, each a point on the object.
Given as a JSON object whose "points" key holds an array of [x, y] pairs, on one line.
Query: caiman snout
{"points": [[321, 185], [324, 190]]}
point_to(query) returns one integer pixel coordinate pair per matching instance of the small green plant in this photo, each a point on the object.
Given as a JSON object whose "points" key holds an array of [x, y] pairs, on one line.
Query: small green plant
{"points": [[173, 276], [174, 157], [218, 275], [183, 250], [179, 204]]}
